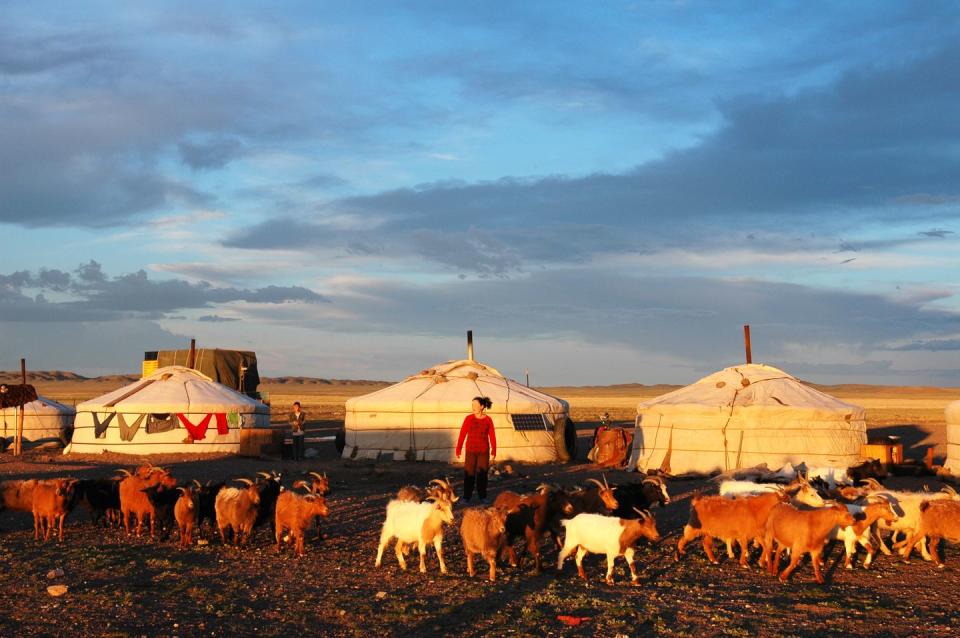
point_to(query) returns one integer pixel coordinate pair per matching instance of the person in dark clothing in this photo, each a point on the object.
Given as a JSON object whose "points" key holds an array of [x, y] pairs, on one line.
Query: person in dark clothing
{"points": [[481, 440], [297, 419]]}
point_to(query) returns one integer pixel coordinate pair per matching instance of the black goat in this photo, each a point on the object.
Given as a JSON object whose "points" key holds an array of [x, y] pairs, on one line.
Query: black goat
{"points": [[640, 496], [100, 497]]}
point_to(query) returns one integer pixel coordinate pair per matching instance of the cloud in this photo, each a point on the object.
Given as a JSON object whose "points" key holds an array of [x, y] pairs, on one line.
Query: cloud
{"points": [[782, 166], [930, 345], [216, 319], [211, 154], [92, 296]]}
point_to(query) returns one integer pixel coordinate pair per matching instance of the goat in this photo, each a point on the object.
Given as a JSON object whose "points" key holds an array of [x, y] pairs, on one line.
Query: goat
{"points": [[186, 511], [17, 496], [802, 531], [610, 535], [593, 500], [269, 485], [938, 519], [296, 513], [237, 510], [50, 505], [865, 515], [436, 488], [319, 483], [133, 500], [483, 530], [206, 502], [163, 499], [651, 491], [739, 519], [907, 507], [531, 516], [100, 497], [419, 523]]}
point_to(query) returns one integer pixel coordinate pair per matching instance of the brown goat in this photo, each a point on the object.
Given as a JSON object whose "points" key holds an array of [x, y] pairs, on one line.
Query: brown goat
{"points": [[483, 531], [802, 531], [739, 519], [296, 513], [319, 483], [938, 519], [133, 500], [17, 496], [532, 516], [51, 502], [237, 510], [186, 511]]}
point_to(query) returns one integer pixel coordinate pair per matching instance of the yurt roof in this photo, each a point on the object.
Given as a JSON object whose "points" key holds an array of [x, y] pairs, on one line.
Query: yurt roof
{"points": [[449, 387], [173, 389], [43, 405], [750, 385]]}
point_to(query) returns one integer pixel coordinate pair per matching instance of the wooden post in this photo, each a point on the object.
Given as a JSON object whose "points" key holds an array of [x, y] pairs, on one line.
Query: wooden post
{"points": [[746, 342], [192, 358], [18, 441], [928, 461]]}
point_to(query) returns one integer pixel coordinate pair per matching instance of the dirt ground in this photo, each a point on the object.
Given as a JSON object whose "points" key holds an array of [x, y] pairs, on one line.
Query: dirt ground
{"points": [[137, 587]]}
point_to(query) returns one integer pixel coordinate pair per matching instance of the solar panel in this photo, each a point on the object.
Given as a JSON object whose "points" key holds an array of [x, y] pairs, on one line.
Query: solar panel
{"points": [[528, 422]]}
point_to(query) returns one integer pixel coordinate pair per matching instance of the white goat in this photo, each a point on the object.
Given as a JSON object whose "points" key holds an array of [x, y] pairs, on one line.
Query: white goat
{"points": [[610, 535], [865, 514], [907, 507], [419, 523]]}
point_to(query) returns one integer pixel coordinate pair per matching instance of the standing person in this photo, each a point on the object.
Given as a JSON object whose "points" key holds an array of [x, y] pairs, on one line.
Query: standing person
{"points": [[481, 439], [297, 418]]}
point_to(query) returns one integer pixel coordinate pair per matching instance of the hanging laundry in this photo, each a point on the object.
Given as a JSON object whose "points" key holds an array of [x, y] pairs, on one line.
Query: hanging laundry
{"points": [[233, 419], [158, 423], [127, 432], [199, 431], [100, 427]]}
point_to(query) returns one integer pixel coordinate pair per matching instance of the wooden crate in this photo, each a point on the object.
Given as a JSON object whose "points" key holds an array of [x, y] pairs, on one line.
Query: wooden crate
{"points": [[253, 440], [886, 453]]}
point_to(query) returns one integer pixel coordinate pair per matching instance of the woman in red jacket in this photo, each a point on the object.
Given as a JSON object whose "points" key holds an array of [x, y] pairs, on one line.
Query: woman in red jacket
{"points": [[481, 439]]}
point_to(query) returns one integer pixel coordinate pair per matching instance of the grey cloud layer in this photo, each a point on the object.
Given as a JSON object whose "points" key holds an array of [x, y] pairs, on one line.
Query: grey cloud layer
{"points": [[696, 319], [827, 160], [90, 295]]}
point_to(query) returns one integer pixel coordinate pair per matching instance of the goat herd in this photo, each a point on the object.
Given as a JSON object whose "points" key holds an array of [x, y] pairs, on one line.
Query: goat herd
{"points": [[799, 517]]}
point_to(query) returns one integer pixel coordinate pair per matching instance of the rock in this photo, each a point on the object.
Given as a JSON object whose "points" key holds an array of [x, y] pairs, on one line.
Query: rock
{"points": [[381, 595], [57, 590], [55, 573], [311, 453]]}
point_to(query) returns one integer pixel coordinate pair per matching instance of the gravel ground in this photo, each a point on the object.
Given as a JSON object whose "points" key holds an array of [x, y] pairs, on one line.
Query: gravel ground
{"points": [[133, 586]]}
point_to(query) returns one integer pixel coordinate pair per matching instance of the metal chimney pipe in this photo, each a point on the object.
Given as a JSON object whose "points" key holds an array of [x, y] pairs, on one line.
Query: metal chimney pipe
{"points": [[470, 345], [193, 353], [746, 343]]}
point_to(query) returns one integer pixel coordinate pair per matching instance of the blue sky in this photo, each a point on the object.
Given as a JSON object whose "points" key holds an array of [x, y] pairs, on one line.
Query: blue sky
{"points": [[604, 192]]}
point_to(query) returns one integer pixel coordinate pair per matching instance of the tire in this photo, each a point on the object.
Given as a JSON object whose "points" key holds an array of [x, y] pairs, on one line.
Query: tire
{"points": [[565, 439]]}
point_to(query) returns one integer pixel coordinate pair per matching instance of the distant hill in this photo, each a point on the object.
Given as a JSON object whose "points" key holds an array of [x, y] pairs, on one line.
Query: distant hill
{"points": [[46, 376]]}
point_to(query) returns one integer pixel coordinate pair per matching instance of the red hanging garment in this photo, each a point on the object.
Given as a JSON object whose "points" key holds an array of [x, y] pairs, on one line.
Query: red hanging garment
{"points": [[199, 431]]}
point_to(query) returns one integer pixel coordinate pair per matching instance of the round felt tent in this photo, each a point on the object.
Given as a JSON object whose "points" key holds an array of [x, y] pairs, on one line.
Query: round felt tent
{"points": [[173, 410], [952, 414], [420, 417], [745, 416], [43, 420]]}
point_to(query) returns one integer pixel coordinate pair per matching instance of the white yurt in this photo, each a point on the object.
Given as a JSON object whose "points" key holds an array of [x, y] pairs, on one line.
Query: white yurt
{"points": [[952, 414], [420, 417], [43, 420], [173, 410], [745, 416]]}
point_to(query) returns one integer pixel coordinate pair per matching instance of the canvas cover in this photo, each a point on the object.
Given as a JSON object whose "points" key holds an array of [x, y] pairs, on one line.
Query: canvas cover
{"points": [[222, 366], [744, 416], [420, 417], [43, 420], [159, 399], [952, 414]]}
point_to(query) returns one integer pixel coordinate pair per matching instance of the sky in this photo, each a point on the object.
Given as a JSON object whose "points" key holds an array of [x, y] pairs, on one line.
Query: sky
{"points": [[603, 192]]}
